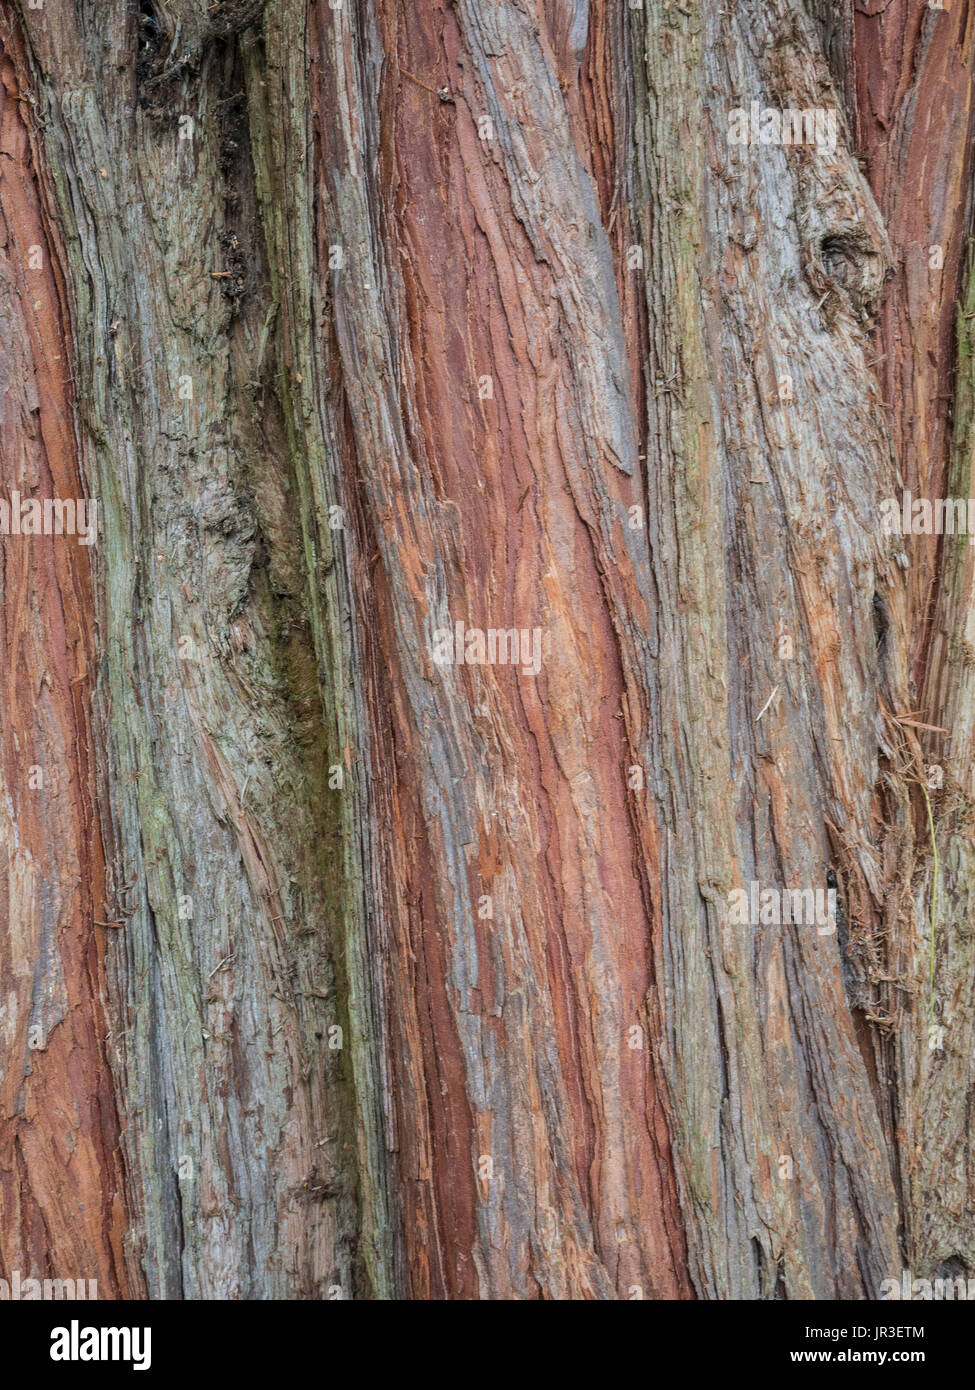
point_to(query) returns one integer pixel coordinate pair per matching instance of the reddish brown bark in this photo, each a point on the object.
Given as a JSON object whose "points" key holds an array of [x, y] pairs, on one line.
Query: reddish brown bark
{"points": [[61, 1207], [917, 121], [914, 67], [577, 1141], [482, 279]]}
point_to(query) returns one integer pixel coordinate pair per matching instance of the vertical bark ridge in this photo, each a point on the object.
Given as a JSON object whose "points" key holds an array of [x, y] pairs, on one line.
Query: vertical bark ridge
{"points": [[913, 68], [60, 1215], [499, 511], [914, 76], [763, 266], [227, 834]]}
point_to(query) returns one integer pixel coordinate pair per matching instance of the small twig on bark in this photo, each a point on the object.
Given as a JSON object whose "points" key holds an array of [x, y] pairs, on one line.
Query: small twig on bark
{"points": [[767, 703]]}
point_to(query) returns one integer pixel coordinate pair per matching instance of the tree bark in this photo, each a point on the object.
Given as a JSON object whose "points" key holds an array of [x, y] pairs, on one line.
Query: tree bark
{"points": [[334, 969]]}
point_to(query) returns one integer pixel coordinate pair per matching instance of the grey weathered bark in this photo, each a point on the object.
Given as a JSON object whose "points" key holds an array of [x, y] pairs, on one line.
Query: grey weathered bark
{"points": [[361, 321]]}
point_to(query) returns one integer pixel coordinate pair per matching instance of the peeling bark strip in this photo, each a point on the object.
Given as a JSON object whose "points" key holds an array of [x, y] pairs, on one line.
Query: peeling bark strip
{"points": [[60, 1177], [532, 1157], [917, 122], [488, 443], [239, 1014], [915, 125]]}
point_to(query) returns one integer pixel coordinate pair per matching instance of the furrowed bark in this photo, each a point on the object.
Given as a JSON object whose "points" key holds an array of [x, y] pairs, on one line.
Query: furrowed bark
{"points": [[537, 1161], [915, 126], [915, 103], [759, 502], [937, 1052], [364, 322], [60, 1210], [221, 693]]}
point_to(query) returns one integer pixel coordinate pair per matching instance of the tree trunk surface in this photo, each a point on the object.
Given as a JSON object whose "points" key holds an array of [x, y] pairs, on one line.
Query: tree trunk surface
{"points": [[333, 967]]}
